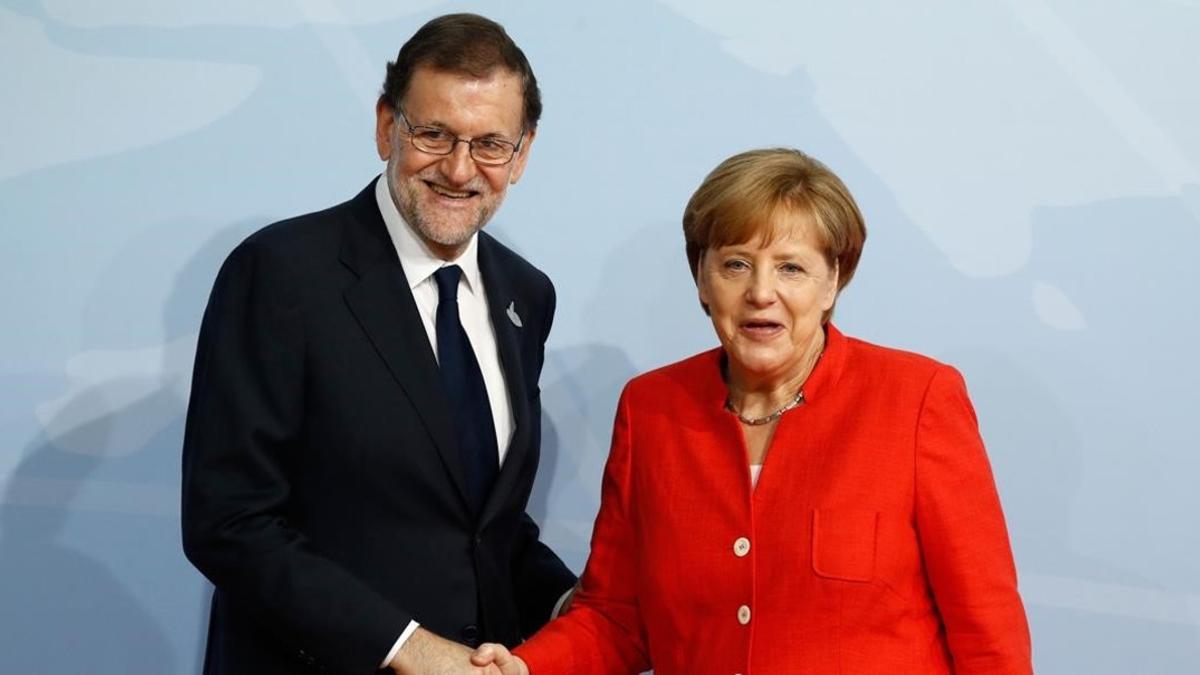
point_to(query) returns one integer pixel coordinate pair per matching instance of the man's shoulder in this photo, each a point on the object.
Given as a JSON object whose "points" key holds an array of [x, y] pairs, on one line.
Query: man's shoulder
{"points": [[307, 238], [297, 251], [515, 266], [316, 230]]}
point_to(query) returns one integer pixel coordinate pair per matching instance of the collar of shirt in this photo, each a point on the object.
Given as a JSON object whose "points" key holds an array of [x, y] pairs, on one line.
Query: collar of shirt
{"points": [[418, 261], [419, 264]]}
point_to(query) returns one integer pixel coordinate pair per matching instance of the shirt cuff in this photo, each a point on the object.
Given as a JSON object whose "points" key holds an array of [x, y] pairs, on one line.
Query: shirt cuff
{"points": [[558, 605], [408, 631]]}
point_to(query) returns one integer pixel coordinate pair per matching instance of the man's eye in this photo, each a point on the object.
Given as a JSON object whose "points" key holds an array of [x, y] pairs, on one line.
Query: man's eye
{"points": [[433, 135], [489, 144]]}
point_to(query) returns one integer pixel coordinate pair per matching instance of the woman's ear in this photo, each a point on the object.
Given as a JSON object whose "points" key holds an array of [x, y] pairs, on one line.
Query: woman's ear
{"points": [[831, 288]]}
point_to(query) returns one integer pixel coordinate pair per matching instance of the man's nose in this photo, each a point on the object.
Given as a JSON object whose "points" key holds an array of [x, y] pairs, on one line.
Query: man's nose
{"points": [[458, 166]]}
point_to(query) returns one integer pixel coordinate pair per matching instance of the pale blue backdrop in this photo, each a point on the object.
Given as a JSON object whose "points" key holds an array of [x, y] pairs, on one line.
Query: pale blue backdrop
{"points": [[1028, 168]]}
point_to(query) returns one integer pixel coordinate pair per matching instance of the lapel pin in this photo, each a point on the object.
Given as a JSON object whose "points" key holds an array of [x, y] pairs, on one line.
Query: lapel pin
{"points": [[512, 314]]}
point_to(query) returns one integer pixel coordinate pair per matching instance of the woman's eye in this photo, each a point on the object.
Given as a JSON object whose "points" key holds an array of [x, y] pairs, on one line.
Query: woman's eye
{"points": [[736, 265], [791, 269]]}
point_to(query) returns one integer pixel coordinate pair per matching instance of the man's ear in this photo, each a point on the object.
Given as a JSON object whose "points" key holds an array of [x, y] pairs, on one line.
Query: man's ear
{"points": [[385, 122], [521, 157]]}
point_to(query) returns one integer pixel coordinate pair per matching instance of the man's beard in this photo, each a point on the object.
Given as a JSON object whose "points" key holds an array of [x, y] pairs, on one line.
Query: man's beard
{"points": [[407, 198]]}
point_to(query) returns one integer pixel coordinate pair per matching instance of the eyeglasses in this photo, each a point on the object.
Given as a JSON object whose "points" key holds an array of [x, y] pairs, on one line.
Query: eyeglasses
{"points": [[488, 150]]}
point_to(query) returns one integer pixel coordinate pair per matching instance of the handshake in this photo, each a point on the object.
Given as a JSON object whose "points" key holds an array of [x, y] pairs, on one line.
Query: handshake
{"points": [[427, 654], [493, 658]]}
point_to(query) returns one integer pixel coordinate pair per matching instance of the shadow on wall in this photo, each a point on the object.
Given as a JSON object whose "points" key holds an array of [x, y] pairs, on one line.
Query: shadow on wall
{"points": [[90, 561], [69, 611], [1116, 392], [579, 393], [1075, 413], [182, 315], [1087, 405], [579, 389], [635, 308]]}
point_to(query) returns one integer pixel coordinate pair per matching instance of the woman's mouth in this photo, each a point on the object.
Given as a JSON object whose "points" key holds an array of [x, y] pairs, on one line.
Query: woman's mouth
{"points": [[760, 329]]}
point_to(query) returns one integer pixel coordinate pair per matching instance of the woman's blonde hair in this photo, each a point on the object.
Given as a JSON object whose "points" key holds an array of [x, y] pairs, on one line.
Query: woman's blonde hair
{"points": [[740, 199]]}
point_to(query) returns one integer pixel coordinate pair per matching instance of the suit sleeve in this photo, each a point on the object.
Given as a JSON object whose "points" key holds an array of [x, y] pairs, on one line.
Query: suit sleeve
{"points": [[602, 633], [244, 421], [540, 577], [963, 538]]}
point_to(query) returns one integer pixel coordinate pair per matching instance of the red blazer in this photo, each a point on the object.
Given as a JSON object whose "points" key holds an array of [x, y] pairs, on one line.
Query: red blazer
{"points": [[874, 542]]}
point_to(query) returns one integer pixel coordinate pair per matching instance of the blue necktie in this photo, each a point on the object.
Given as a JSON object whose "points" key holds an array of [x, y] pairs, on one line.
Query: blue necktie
{"points": [[466, 392]]}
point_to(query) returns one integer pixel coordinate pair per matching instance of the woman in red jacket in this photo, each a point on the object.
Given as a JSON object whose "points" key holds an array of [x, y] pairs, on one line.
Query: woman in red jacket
{"points": [[795, 501]]}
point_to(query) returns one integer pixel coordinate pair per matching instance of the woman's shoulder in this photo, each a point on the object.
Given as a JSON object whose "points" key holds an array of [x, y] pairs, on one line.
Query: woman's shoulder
{"points": [[866, 356], [870, 351], [896, 374], [696, 375]]}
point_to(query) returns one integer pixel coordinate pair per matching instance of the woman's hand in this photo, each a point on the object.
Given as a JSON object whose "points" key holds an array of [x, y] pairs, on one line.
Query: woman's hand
{"points": [[498, 655]]}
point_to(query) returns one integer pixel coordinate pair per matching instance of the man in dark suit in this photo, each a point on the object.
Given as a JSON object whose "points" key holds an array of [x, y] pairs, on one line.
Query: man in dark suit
{"points": [[364, 423]]}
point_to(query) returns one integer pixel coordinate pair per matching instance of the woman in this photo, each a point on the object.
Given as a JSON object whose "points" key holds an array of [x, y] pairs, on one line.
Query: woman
{"points": [[795, 501]]}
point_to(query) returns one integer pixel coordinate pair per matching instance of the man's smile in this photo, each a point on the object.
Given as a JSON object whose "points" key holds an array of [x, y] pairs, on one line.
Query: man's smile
{"points": [[450, 193]]}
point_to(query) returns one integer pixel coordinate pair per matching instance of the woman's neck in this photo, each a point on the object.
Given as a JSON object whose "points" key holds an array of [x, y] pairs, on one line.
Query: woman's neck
{"points": [[757, 395]]}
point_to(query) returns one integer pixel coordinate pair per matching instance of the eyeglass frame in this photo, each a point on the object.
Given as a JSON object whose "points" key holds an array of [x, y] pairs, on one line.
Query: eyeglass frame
{"points": [[456, 139]]}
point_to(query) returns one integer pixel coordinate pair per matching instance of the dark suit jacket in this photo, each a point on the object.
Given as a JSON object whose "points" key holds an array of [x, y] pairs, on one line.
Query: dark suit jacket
{"points": [[323, 491]]}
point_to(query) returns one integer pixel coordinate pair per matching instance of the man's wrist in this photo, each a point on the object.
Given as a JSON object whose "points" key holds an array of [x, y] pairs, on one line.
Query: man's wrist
{"points": [[404, 636], [408, 656], [426, 652]]}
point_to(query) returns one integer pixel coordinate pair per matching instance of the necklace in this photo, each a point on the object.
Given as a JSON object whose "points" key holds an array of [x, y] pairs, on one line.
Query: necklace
{"points": [[766, 419]]}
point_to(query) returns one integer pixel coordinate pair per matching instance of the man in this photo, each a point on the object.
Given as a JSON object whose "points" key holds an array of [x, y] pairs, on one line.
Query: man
{"points": [[364, 424]]}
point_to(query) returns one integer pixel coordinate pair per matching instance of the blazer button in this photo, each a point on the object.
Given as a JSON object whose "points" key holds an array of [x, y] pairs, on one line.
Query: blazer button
{"points": [[470, 635], [741, 547], [743, 615]]}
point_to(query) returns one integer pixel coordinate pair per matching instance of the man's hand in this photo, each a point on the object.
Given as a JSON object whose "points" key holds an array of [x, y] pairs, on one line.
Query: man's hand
{"points": [[427, 654], [498, 656]]}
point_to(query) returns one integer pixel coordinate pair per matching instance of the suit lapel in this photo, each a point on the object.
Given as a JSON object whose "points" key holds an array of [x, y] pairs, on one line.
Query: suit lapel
{"points": [[383, 304], [509, 336]]}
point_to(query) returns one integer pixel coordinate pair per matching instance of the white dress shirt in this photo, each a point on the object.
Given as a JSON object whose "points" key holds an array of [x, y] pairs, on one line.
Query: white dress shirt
{"points": [[419, 264]]}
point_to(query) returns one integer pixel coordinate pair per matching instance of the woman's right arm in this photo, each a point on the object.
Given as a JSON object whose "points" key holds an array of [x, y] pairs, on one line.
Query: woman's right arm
{"points": [[602, 634]]}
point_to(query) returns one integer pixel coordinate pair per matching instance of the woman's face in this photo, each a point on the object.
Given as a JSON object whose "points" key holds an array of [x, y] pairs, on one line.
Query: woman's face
{"points": [[766, 302]]}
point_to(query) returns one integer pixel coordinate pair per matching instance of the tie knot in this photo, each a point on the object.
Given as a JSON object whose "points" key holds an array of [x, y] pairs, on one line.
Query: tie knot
{"points": [[447, 282]]}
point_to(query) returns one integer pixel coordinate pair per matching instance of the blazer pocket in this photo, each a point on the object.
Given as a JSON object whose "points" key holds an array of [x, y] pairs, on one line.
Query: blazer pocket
{"points": [[844, 544]]}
